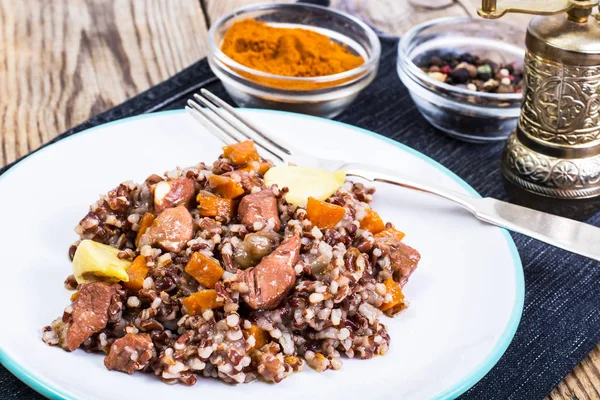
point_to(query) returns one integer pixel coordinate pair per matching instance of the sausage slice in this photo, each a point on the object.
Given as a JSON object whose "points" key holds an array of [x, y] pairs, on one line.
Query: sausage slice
{"points": [[130, 353], [404, 260], [89, 314], [273, 277], [171, 230], [169, 194], [259, 207]]}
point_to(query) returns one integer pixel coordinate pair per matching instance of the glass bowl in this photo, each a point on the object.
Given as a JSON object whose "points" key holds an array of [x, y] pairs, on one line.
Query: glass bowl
{"points": [[324, 96], [461, 113]]}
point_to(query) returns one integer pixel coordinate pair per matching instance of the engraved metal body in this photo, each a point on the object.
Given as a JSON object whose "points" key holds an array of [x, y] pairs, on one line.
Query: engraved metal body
{"points": [[555, 150]]}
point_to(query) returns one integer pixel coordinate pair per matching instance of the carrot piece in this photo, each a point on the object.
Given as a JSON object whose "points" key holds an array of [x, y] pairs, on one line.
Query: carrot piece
{"points": [[205, 270], [259, 334], [263, 168], [372, 222], [256, 166], [392, 288], [241, 153], [146, 222], [74, 296], [213, 206], [324, 215], [396, 309], [225, 186], [201, 301], [391, 232], [137, 271]]}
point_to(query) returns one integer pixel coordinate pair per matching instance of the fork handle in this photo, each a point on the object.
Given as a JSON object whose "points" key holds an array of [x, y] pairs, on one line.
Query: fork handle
{"points": [[565, 233]]}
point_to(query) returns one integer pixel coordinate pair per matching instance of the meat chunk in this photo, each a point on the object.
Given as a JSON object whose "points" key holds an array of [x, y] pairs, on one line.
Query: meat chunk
{"points": [[404, 260], [259, 207], [171, 230], [273, 277], [89, 314], [130, 353], [169, 194], [209, 224]]}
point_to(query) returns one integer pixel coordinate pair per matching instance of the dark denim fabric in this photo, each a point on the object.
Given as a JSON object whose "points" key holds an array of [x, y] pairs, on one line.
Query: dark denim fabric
{"points": [[561, 319]]}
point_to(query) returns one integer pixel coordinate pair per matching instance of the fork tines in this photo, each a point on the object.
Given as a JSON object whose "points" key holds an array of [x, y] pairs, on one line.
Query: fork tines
{"points": [[224, 122]]}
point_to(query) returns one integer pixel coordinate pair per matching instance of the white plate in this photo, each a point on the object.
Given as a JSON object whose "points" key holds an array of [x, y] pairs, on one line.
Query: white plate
{"points": [[466, 295]]}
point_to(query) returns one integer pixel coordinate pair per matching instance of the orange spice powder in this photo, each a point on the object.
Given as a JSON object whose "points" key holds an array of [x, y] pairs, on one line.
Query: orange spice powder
{"points": [[293, 52]]}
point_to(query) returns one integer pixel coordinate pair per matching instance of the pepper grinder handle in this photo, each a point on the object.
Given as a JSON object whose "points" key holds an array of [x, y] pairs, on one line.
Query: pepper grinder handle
{"points": [[492, 9]]}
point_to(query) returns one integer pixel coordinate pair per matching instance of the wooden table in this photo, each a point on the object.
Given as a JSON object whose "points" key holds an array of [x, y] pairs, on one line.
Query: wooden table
{"points": [[63, 61]]}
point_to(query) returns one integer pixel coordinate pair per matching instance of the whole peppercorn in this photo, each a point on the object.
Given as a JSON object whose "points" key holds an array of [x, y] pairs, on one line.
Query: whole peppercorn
{"points": [[506, 89], [469, 67], [479, 85], [438, 76], [435, 61], [466, 57], [490, 86], [484, 69], [459, 75], [492, 64]]}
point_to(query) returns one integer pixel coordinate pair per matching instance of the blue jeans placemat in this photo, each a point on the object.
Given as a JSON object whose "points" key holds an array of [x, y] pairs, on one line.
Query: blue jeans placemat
{"points": [[561, 319]]}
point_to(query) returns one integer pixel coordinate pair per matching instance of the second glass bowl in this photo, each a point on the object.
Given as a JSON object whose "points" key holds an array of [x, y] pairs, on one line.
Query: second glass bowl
{"points": [[461, 113]]}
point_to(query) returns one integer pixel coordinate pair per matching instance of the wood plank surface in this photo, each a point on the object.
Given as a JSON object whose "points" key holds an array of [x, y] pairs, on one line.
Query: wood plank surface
{"points": [[217, 8], [63, 61]]}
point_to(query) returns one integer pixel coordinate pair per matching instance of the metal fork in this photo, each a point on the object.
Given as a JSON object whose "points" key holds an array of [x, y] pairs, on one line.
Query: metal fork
{"points": [[224, 122]]}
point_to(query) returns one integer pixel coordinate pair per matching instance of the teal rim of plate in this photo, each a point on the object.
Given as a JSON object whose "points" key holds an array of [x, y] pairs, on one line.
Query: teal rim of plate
{"points": [[45, 388]]}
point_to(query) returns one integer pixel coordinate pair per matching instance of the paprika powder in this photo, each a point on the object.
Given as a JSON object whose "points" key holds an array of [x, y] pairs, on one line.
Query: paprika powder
{"points": [[290, 52]]}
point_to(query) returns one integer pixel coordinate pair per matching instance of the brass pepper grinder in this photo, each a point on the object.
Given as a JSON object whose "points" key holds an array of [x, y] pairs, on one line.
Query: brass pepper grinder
{"points": [[555, 149]]}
